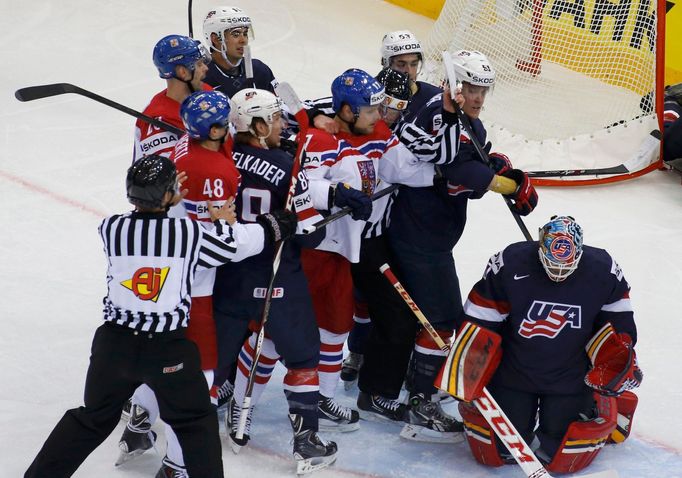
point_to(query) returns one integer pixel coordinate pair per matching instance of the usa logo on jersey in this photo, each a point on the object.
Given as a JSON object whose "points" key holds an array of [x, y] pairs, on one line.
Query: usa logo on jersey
{"points": [[547, 319]]}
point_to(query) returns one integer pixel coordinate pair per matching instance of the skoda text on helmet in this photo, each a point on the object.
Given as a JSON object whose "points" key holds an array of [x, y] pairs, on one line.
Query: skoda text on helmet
{"points": [[397, 88], [148, 181], [560, 247], [356, 88], [400, 42], [174, 50], [251, 103], [473, 67], [202, 110]]}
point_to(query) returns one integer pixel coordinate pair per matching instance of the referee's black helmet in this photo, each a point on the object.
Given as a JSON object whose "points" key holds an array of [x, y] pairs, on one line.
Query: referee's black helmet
{"points": [[148, 181]]}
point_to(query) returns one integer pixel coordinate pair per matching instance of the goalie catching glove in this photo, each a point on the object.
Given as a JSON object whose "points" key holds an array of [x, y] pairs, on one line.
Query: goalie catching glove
{"points": [[343, 195], [614, 362]]}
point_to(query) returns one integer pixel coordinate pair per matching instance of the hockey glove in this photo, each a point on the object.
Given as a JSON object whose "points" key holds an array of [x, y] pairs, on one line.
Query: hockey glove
{"points": [[279, 225], [344, 195], [525, 197], [500, 163], [288, 145], [614, 362]]}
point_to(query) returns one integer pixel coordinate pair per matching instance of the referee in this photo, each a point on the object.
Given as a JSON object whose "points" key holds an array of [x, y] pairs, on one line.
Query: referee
{"points": [[152, 260]]}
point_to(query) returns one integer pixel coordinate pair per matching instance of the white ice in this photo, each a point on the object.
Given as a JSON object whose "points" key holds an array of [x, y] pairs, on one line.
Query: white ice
{"points": [[62, 166]]}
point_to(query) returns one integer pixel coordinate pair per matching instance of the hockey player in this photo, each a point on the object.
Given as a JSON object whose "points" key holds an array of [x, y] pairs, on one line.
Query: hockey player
{"points": [[151, 261], [240, 289], [401, 51], [227, 31], [182, 62], [563, 312], [672, 122], [363, 157], [426, 224]]}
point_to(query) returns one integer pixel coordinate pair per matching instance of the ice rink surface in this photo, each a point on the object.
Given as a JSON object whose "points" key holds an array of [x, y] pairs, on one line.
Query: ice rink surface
{"points": [[62, 167]]}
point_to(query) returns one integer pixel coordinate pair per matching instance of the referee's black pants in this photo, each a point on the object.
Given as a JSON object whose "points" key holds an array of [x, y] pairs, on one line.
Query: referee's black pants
{"points": [[394, 326], [121, 360]]}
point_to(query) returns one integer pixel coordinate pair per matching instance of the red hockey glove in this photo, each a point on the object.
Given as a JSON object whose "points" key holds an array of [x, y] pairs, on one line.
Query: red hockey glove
{"points": [[614, 362], [500, 163], [525, 198]]}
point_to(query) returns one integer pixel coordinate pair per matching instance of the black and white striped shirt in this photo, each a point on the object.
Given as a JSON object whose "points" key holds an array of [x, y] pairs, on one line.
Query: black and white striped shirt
{"points": [[152, 260]]}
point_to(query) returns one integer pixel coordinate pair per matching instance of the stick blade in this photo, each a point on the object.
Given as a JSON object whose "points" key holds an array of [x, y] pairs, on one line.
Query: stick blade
{"points": [[31, 93]]}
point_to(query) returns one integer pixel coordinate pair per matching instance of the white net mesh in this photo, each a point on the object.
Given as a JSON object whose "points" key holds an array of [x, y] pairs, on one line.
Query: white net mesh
{"points": [[564, 69]]}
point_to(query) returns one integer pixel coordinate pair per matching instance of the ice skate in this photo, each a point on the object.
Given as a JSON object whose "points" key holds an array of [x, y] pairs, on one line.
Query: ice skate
{"points": [[378, 408], [310, 451], [125, 411], [336, 418], [225, 393], [137, 436], [350, 368], [171, 470], [232, 424], [427, 422]]}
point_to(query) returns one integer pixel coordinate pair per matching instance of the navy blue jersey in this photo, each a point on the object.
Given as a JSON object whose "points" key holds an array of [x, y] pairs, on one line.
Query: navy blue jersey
{"points": [[265, 176], [425, 92], [231, 81], [545, 325], [672, 133], [434, 217]]}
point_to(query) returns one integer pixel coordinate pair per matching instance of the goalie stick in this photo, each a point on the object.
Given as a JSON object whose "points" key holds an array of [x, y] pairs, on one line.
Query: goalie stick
{"points": [[189, 18], [347, 210], [452, 78], [486, 404], [286, 92], [31, 93]]}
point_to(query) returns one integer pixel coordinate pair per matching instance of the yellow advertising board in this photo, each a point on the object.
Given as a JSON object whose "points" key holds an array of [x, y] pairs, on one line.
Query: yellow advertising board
{"points": [[673, 42]]}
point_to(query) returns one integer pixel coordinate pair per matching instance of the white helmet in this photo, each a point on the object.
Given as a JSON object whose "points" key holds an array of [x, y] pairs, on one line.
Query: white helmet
{"points": [[252, 103], [400, 42], [220, 19], [473, 67]]}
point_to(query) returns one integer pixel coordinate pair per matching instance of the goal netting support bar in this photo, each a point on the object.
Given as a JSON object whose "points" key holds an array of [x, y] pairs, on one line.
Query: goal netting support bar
{"points": [[579, 83]]}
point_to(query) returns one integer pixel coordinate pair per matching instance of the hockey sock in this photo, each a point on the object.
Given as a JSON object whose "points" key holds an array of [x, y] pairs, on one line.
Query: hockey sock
{"points": [[301, 387], [428, 358], [361, 328], [331, 357], [144, 397], [266, 365]]}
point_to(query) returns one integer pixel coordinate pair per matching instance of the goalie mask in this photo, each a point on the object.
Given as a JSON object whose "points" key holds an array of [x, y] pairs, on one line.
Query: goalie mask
{"points": [[401, 42], [149, 180], [202, 110], [474, 68], [560, 247], [356, 88]]}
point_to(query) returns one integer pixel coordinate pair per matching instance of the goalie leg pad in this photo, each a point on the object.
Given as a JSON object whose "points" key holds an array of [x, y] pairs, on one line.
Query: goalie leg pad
{"points": [[480, 436], [584, 439], [626, 404], [471, 363]]}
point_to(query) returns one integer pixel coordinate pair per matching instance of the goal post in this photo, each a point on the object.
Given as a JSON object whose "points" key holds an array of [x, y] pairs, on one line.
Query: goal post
{"points": [[579, 83]]}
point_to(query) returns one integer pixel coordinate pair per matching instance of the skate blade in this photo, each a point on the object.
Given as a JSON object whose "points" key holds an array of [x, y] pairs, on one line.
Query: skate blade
{"points": [[308, 465], [423, 434], [330, 426], [378, 418], [349, 385], [234, 446], [125, 457]]}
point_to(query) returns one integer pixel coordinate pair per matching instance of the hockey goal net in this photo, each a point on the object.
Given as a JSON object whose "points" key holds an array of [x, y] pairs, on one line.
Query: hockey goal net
{"points": [[576, 81]]}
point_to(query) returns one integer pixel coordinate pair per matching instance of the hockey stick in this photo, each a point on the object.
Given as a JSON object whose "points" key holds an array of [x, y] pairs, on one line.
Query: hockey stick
{"points": [[347, 210], [248, 66], [189, 18], [31, 93], [286, 92], [639, 160], [452, 78], [486, 404]]}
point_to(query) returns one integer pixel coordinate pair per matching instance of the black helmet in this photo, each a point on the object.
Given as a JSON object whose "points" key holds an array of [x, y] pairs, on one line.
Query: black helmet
{"points": [[149, 180], [397, 86]]}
